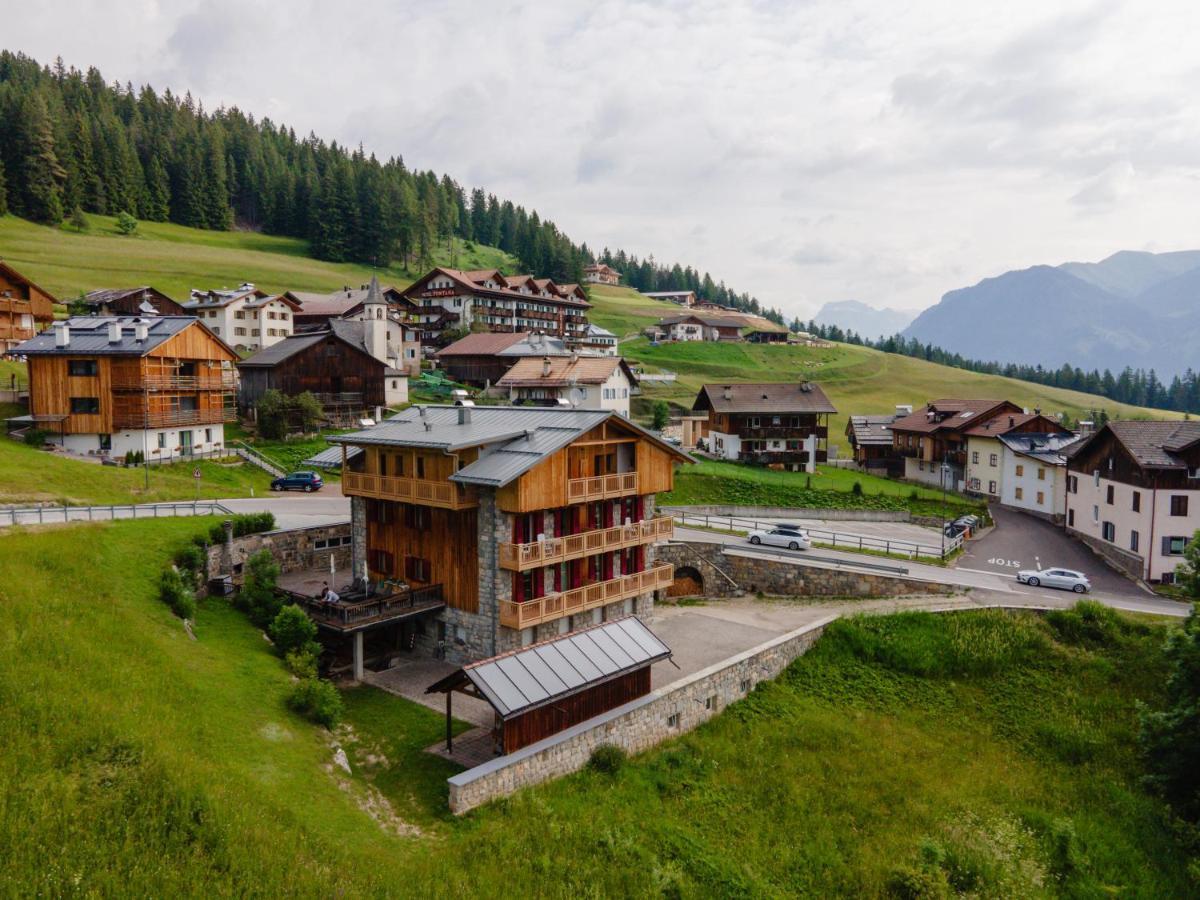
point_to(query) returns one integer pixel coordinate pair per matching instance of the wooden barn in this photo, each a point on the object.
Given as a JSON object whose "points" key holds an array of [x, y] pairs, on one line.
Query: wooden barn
{"points": [[25, 309], [333, 363], [545, 688], [138, 301]]}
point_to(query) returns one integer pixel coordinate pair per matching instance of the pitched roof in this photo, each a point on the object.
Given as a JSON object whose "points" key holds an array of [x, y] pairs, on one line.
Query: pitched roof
{"points": [[14, 275], [89, 336], [473, 281], [594, 330], [518, 438], [538, 675], [949, 415], [1005, 422], [711, 321], [563, 371], [871, 430], [769, 397], [1047, 448], [668, 293], [483, 344], [350, 333], [1152, 444]]}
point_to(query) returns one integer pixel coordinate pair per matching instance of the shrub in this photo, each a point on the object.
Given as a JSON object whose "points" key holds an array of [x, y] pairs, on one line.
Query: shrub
{"points": [[301, 664], [191, 558], [607, 759], [126, 224], [662, 415], [258, 597], [857, 489], [1087, 623], [36, 437], [316, 700], [292, 630], [174, 592], [243, 524]]}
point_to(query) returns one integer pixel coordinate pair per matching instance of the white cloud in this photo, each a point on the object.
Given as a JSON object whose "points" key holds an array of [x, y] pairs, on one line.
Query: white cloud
{"points": [[802, 152]]}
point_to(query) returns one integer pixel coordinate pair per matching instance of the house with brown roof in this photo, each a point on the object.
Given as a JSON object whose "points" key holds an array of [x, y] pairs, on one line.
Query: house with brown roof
{"points": [[450, 299], [683, 298], [986, 457], [778, 424], [599, 273], [574, 382], [934, 438], [349, 304], [245, 317], [870, 440], [1133, 494], [25, 309], [701, 327], [138, 301]]}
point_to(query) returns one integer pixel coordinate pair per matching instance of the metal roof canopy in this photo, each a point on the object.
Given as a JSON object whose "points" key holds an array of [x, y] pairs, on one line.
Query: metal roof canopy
{"points": [[540, 674]]}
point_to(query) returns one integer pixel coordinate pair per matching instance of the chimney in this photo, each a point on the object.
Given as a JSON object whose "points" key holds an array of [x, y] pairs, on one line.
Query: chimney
{"points": [[62, 335], [545, 367], [428, 425], [1012, 421], [464, 415], [141, 331], [114, 332], [728, 392]]}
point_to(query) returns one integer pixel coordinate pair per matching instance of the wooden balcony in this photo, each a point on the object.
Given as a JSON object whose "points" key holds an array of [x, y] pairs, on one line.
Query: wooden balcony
{"points": [[581, 599], [601, 487], [443, 494], [519, 557], [218, 381], [357, 613], [124, 418]]}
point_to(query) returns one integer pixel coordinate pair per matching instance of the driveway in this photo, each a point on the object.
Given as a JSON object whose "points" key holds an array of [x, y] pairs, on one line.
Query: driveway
{"points": [[1021, 541], [295, 509]]}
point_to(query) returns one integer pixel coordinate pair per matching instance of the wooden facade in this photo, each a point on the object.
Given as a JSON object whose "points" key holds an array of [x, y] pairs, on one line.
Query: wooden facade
{"points": [[25, 309], [325, 365], [423, 546], [543, 721]]}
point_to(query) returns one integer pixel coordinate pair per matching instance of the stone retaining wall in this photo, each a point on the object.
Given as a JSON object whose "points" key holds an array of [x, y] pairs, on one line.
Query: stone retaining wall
{"points": [[786, 512], [294, 549], [1125, 562], [636, 726]]}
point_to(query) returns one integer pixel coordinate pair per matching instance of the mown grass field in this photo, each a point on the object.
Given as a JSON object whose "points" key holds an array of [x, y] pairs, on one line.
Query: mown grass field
{"points": [[175, 259], [30, 475], [982, 753], [709, 482]]}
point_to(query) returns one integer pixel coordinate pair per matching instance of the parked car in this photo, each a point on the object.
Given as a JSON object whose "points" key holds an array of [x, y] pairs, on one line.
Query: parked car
{"points": [[971, 522], [1067, 579], [793, 539], [298, 481]]}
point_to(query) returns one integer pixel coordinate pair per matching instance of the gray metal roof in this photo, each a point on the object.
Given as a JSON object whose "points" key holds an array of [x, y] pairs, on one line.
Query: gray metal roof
{"points": [[88, 336], [1048, 448], [514, 439], [330, 457], [347, 332], [543, 673]]}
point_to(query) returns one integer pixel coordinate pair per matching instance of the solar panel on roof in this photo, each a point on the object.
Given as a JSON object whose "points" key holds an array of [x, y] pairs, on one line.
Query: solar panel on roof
{"points": [[499, 688], [520, 676], [579, 660], [553, 656]]}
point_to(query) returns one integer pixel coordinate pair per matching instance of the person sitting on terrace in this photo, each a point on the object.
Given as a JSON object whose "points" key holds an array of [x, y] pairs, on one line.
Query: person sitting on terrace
{"points": [[329, 596]]}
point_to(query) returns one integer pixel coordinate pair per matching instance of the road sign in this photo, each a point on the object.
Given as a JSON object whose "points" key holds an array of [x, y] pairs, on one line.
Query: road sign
{"points": [[196, 472]]}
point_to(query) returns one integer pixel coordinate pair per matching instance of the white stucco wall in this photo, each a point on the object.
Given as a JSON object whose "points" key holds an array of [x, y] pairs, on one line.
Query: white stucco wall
{"points": [[1051, 485]]}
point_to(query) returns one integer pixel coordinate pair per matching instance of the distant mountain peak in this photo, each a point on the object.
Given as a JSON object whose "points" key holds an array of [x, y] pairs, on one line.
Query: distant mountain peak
{"points": [[864, 319]]}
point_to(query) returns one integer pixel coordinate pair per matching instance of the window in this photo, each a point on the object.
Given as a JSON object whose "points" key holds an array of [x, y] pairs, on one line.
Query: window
{"points": [[1020, 471], [1134, 540], [1041, 474], [416, 569], [420, 467], [105, 441], [974, 457], [1070, 518], [162, 440], [81, 368], [673, 720], [991, 487], [1072, 484], [1095, 513], [416, 517], [745, 685], [85, 406], [1108, 531], [1041, 498], [239, 331], [710, 702], [1019, 493], [1179, 504], [208, 435], [1174, 546], [1137, 501], [240, 314], [1096, 477], [992, 460], [1108, 495]]}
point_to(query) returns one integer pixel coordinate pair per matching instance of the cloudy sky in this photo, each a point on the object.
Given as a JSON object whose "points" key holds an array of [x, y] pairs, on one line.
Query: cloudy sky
{"points": [[803, 151]]}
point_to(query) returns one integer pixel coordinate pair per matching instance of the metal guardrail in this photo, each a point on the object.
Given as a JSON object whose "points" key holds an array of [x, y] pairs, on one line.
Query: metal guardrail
{"points": [[837, 539], [256, 459], [41, 515], [779, 553]]}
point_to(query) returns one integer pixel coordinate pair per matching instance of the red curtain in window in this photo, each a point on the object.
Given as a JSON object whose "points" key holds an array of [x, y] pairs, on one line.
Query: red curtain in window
{"points": [[518, 587]]}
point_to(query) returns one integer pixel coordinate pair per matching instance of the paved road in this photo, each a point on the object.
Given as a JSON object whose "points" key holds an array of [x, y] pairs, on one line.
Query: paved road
{"points": [[985, 586], [295, 509]]}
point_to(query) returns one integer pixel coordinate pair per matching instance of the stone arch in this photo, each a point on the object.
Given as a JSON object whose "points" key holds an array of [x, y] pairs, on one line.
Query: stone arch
{"points": [[688, 582]]}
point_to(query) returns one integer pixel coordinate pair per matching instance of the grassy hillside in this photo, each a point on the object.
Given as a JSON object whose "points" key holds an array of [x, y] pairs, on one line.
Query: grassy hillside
{"points": [[174, 259], [984, 753]]}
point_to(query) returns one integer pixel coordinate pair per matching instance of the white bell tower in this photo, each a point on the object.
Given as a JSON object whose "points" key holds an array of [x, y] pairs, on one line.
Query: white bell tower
{"points": [[375, 322]]}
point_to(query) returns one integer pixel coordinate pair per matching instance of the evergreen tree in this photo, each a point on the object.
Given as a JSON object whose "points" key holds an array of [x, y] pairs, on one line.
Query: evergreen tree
{"points": [[41, 175], [3, 191]]}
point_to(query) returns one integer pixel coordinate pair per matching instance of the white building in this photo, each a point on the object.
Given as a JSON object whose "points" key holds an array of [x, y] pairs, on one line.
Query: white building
{"points": [[580, 382], [1033, 474], [1133, 494], [598, 340], [245, 317]]}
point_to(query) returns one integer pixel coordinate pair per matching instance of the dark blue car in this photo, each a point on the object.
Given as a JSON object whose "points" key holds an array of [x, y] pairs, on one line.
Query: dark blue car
{"points": [[298, 481]]}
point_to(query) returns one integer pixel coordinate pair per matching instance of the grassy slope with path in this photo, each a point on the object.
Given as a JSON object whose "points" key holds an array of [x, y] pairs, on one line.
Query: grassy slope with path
{"points": [[991, 751]]}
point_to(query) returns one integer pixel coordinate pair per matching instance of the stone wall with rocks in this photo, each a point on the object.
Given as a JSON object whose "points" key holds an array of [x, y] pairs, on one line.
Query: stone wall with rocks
{"points": [[1129, 564], [295, 550], [728, 574], [636, 726]]}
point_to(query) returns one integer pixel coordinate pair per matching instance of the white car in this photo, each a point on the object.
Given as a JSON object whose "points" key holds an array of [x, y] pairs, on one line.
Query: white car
{"points": [[1067, 579], [793, 539]]}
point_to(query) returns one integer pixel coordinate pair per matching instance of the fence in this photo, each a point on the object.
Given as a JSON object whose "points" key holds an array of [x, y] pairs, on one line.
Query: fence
{"points": [[42, 515], [835, 539], [257, 459]]}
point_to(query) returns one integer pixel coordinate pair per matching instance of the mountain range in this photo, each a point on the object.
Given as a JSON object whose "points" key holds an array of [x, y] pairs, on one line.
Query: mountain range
{"points": [[1133, 308], [867, 321]]}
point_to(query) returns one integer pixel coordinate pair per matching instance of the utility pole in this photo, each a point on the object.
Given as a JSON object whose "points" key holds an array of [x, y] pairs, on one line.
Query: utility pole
{"points": [[945, 470]]}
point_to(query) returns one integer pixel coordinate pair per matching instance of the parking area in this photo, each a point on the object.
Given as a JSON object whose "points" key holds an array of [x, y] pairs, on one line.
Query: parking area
{"points": [[1020, 541], [898, 537]]}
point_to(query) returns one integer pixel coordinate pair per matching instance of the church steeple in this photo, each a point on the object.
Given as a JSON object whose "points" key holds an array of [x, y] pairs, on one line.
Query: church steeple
{"points": [[375, 321]]}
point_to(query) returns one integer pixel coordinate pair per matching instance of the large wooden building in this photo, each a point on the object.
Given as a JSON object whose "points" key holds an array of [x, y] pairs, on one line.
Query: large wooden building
{"points": [[25, 309], [105, 385], [933, 440], [779, 424], [138, 301], [531, 522]]}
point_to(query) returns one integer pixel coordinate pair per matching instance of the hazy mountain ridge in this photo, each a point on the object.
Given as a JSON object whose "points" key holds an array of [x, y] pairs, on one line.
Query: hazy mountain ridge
{"points": [[1131, 309], [867, 321]]}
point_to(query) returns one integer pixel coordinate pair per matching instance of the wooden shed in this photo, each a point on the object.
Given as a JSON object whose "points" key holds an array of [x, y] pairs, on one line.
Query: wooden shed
{"points": [[545, 688]]}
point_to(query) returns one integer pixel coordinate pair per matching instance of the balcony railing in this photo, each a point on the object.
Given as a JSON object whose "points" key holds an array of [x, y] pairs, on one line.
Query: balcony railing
{"points": [[581, 599], [555, 550], [222, 381], [769, 457], [136, 418], [601, 487], [354, 613], [444, 494], [779, 432]]}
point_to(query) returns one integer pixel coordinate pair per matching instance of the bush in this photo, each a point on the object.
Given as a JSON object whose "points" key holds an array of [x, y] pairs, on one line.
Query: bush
{"points": [[36, 437], [126, 224], [293, 631], [174, 592], [857, 490], [607, 759], [258, 597], [1087, 623], [662, 415], [243, 524], [316, 700], [191, 559], [301, 664]]}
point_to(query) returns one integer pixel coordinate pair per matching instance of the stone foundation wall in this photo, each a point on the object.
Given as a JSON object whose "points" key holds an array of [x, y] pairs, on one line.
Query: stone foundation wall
{"points": [[294, 549], [1128, 564], [787, 578], [636, 726]]}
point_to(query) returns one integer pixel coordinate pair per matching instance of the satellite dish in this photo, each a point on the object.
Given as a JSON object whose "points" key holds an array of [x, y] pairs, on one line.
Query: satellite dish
{"points": [[575, 396]]}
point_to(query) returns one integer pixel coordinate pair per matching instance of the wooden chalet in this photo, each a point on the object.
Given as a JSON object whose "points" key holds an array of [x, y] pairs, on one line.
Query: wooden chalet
{"points": [[935, 437], [163, 386], [599, 273], [533, 521], [870, 439], [475, 359], [25, 308], [782, 424], [542, 689], [318, 308], [138, 301]]}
